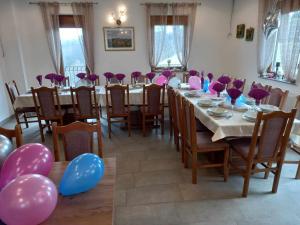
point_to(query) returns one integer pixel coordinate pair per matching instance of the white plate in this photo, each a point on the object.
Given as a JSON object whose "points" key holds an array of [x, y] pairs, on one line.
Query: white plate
{"points": [[192, 94], [217, 112], [217, 98], [184, 86], [205, 102], [268, 108], [248, 119]]}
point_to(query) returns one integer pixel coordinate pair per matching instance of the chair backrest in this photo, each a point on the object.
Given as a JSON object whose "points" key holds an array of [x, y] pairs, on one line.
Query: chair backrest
{"points": [[277, 97], [171, 104], [117, 99], [85, 102], [179, 112], [153, 99], [297, 106], [188, 125], [77, 139], [16, 133], [270, 135], [46, 102], [12, 90]]}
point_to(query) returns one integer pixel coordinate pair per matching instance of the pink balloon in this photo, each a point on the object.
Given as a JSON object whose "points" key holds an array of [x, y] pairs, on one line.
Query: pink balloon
{"points": [[210, 88], [195, 82], [27, 159], [161, 80], [27, 200]]}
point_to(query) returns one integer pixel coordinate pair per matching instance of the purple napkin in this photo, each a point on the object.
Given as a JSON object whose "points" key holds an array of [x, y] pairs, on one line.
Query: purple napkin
{"points": [[40, 79], [150, 76], [81, 75], [120, 76], [92, 77], [136, 74], [218, 87], [210, 77], [51, 77], [224, 79], [167, 73], [234, 94], [258, 94], [193, 73], [238, 84], [59, 79], [108, 75]]}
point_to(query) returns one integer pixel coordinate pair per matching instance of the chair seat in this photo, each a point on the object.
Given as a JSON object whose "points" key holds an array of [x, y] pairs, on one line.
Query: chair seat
{"points": [[25, 109], [205, 144], [241, 146]]}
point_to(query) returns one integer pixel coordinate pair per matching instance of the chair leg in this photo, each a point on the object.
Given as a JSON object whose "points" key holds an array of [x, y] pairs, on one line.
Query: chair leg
{"points": [[109, 127], [26, 121], [269, 164], [194, 167], [41, 131], [226, 169], [246, 181], [100, 108], [162, 123], [129, 126], [298, 171], [276, 178], [144, 125]]}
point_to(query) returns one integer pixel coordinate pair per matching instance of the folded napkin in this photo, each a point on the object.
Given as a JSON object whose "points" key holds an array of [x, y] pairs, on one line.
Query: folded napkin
{"points": [[218, 87], [40, 79], [120, 76], [258, 94], [210, 77], [108, 75], [193, 73], [167, 73], [51, 77], [224, 79], [234, 94], [238, 84], [92, 77], [59, 79], [136, 74], [150, 76], [81, 75]]}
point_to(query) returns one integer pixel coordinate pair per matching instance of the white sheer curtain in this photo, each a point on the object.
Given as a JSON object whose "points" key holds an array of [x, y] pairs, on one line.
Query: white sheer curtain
{"points": [[289, 43], [266, 46], [156, 14], [183, 14], [84, 18], [50, 16]]}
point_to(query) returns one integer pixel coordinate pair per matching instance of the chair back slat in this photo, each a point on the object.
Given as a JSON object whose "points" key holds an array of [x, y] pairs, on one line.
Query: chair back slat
{"points": [[46, 101], [297, 107], [277, 97], [86, 103], [116, 99], [12, 90], [178, 112], [77, 138], [153, 98], [274, 129]]}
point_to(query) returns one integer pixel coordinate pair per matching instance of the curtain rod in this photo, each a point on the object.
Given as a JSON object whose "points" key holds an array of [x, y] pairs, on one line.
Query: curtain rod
{"points": [[198, 3], [62, 3]]}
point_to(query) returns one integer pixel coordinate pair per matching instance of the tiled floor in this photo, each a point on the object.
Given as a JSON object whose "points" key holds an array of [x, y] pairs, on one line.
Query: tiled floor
{"points": [[153, 188]]}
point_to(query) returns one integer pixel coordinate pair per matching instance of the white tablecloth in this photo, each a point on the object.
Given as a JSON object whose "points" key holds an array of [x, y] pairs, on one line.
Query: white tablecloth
{"points": [[135, 98], [235, 126]]}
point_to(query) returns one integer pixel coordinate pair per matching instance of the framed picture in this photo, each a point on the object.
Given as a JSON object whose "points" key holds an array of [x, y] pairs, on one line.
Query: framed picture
{"points": [[240, 31], [250, 34], [119, 38]]}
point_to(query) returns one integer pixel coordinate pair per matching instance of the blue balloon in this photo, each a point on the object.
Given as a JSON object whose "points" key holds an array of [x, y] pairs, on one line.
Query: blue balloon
{"points": [[206, 85], [82, 174]]}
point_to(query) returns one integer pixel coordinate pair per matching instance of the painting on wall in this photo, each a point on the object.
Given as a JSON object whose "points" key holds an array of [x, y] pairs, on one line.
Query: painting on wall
{"points": [[119, 38], [240, 31], [250, 34]]}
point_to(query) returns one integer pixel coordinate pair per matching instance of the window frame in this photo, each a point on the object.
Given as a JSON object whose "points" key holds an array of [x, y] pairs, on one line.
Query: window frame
{"points": [[155, 20]]}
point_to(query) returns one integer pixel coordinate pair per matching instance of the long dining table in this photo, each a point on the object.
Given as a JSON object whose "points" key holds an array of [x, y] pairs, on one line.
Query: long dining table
{"points": [[222, 127], [135, 97]]}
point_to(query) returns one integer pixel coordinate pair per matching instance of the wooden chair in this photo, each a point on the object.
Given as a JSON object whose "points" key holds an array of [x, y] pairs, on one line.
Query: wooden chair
{"points": [[27, 112], [295, 139], [266, 147], [85, 103], [16, 133], [277, 97], [47, 106], [171, 104], [153, 105], [77, 138], [195, 143], [118, 106]]}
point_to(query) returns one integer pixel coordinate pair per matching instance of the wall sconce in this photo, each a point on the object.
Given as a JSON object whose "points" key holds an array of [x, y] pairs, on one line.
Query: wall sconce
{"points": [[119, 17]]}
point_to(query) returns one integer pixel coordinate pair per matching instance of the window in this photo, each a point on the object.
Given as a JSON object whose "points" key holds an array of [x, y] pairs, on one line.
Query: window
{"points": [[168, 56], [72, 52], [285, 43], [168, 42]]}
